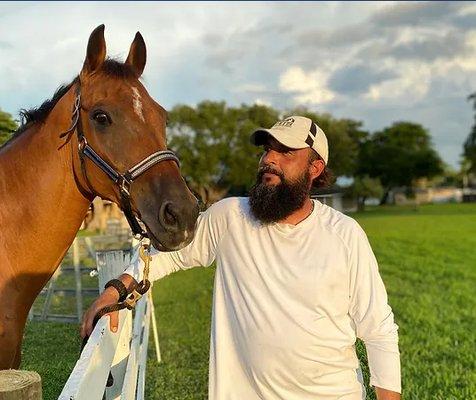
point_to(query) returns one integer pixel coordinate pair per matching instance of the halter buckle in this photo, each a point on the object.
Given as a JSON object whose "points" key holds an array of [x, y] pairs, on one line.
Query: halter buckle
{"points": [[125, 185], [132, 299], [138, 236], [82, 143]]}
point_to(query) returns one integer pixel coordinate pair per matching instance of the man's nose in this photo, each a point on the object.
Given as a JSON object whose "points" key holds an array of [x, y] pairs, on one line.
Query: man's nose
{"points": [[269, 157]]}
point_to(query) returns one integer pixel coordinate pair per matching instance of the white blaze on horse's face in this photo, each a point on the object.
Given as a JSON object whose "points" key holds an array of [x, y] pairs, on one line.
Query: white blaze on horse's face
{"points": [[137, 103]]}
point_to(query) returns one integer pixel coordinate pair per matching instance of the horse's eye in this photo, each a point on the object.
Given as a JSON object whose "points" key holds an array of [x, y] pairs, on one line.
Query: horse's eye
{"points": [[102, 118]]}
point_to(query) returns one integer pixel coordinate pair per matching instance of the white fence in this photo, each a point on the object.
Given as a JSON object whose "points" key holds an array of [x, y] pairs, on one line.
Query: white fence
{"points": [[123, 353]]}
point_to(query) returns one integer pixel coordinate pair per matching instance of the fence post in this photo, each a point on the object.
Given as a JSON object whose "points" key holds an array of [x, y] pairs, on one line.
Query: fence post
{"points": [[154, 327], [123, 353], [49, 294], [87, 381], [77, 275], [20, 385]]}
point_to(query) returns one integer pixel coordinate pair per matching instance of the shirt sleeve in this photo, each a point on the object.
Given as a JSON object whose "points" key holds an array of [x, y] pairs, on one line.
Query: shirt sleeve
{"points": [[372, 315], [211, 225]]}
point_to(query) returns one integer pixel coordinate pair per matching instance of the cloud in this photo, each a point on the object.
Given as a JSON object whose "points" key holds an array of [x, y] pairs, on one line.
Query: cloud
{"points": [[356, 79], [307, 87], [226, 49], [5, 45], [393, 54], [414, 14], [251, 88], [389, 23], [411, 85], [466, 22], [344, 37], [376, 62], [431, 48]]}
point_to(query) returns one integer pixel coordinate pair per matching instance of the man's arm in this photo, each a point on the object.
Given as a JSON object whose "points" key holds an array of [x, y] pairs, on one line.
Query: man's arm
{"points": [[211, 226], [108, 296], [373, 317]]}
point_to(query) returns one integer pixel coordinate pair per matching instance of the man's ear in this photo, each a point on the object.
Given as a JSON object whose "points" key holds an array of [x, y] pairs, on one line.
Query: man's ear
{"points": [[316, 167]]}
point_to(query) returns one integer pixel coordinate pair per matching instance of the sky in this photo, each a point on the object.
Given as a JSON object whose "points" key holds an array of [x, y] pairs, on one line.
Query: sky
{"points": [[374, 62]]}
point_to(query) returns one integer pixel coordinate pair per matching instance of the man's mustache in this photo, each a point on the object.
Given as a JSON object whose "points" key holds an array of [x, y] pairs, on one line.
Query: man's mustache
{"points": [[268, 169]]}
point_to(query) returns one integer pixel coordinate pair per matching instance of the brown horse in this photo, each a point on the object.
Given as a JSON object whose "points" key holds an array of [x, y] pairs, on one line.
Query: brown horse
{"points": [[47, 184]]}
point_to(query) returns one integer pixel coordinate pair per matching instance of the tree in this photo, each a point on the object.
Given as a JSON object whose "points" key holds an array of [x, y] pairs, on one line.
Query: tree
{"points": [[398, 155], [212, 141], [7, 126], [363, 188], [470, 143]]}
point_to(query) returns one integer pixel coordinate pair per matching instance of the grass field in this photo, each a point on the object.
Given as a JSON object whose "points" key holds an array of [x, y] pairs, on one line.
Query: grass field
{"points": [[427, 260]]}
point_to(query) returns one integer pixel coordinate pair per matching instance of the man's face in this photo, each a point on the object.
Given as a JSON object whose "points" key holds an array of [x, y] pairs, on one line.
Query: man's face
{"points": [[283, 182], [280, 163]]}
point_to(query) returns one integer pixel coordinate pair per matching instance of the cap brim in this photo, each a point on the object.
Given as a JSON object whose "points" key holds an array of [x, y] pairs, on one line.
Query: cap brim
{"points": [[259, 137]]}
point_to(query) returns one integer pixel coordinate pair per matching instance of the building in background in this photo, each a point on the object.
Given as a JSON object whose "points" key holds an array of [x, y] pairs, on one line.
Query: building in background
{"points": [[105, 217]]}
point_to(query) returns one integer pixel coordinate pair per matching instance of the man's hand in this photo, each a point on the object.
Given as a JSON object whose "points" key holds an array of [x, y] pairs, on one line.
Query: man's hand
{"points": [[384, 394], [109, 297]]}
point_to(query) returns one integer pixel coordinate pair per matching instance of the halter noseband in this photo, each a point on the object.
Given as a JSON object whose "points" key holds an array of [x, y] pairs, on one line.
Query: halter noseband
{"points": [[123, 181]]}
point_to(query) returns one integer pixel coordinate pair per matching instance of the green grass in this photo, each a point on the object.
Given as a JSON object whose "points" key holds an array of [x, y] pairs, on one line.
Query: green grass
{"points": [[426, 258]]}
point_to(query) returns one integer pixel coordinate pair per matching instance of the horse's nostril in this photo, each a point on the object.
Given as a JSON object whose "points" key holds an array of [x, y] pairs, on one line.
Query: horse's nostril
{"points": [[168, 217]]}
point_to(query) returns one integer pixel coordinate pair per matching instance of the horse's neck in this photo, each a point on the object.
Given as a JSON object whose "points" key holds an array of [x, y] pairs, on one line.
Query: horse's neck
{"points": [[41, 206]]}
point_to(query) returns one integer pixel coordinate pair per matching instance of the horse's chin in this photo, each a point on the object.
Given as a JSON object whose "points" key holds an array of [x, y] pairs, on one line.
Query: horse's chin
{"points": [[162, 245], [157, 243]]}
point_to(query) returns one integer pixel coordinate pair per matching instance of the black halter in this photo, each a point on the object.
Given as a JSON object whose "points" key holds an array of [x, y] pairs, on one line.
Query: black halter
{"points": [[124, 181]]}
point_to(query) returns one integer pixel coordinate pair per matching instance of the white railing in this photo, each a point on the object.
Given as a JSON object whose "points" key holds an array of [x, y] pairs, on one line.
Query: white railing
{"points": [[123, 353]]}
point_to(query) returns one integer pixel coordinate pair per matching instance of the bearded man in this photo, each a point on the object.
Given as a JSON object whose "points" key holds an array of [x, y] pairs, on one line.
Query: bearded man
{"points": [[296, 283]]}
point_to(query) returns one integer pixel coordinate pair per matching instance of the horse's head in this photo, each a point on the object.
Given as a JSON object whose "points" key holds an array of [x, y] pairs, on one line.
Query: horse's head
{"points": [[124, 126]]}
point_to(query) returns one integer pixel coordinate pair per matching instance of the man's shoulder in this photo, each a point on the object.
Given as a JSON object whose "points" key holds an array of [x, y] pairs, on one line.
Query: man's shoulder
{"points": [[228, 204], [230, 207], [338, 223]]}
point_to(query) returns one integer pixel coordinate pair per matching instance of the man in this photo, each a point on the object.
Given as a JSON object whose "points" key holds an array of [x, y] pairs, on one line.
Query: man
{"points": [[296, 283]]}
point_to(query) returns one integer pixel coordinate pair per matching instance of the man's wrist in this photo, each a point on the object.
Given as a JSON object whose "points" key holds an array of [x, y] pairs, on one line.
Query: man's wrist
{"points": [[112, 292], [129, 282], [120, 287]]}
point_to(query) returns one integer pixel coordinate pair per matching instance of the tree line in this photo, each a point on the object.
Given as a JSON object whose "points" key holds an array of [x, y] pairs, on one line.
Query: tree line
{"points": [[212, 141]]}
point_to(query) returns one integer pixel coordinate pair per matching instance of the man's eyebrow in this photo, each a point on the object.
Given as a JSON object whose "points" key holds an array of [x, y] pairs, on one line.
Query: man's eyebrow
{"points": [[277, 146], [281, 147]]}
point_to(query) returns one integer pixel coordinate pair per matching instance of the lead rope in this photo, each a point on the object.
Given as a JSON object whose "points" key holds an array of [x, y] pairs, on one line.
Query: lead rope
{"points": [[130, 302], [144, 285]]}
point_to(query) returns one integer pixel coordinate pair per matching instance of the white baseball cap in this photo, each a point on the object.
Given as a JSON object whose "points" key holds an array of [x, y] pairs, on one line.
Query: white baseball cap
{"points": [[295, 132]]}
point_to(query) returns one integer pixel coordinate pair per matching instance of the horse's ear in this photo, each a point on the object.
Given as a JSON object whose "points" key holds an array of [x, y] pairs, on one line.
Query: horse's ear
{"points": [[96, 52], [137, 54]]}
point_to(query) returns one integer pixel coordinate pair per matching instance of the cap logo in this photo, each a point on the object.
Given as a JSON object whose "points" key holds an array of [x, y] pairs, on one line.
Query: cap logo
{"points": [[288, 122]]}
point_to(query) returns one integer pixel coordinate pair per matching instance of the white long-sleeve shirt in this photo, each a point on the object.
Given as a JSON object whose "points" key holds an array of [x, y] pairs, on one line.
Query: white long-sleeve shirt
{"points": [[288, 304]]}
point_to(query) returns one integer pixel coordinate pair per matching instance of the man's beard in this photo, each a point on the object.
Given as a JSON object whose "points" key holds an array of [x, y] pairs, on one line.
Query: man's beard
{"points": [[273, 203]]}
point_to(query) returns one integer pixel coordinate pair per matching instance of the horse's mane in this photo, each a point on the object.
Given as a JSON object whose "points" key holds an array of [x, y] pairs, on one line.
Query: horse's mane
{"points": [[110, 67], [39, 114]]}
